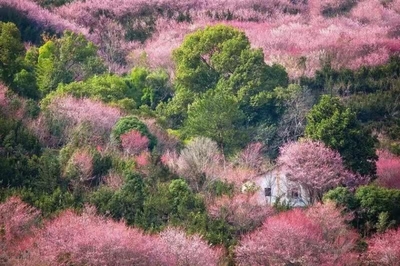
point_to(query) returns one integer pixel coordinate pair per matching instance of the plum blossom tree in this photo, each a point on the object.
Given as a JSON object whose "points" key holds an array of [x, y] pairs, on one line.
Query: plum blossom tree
{"points": [[190, 250], [17, 219], [384, 249], [314, 166], [133, 142], [388, 170], [242, 211], [91, 240], [299, 237], [64, 114]]}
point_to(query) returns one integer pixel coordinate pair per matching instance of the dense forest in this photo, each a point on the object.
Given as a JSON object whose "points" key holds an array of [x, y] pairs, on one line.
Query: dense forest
{"points": [[134, 132]]}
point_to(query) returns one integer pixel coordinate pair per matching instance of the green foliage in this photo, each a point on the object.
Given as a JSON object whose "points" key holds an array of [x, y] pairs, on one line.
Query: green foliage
{"points": [[208, 54], [11, 51], [216, 115], [18, 152], [374, 208], [342, 197], [377, 200], [147, 87], [219, 188], [127, 202], [220, 57], [51, 203], [127, 123], [367, 79], [338, 127], [67, 59]]}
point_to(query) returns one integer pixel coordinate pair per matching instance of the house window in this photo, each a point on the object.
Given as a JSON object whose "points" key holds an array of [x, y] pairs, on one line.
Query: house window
{"points": [[267, 191], [295, 193]]}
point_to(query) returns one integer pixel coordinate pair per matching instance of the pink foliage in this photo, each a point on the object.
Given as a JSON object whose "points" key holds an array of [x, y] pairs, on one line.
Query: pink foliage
{"points": [[82, 162], [91, 240], [42, 16], [73, 112], [251, 157], [143, 159], [17, 220], [314, 166], [288, 31], [299, 237], [190, 250], [241, 211], [3, 96], [165, 141], [384, 249], [237, 175], [133, 142], [388, 170], [113, 180]]}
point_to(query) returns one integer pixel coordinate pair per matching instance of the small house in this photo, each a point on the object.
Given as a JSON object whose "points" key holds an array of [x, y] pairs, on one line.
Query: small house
{"points": [[275, 187]]}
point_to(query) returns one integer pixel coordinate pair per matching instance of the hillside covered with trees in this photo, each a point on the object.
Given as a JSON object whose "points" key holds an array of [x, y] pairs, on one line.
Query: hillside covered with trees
{"points": [[134, 132]]}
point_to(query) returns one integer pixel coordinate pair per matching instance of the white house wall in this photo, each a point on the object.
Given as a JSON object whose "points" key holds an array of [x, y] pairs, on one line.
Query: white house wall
{"points": [[280, 189]]}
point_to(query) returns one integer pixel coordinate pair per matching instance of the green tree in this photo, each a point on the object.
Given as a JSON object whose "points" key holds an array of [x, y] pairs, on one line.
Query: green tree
{"points": [[216, 115], [220, 57], [338, 127], [70, 58], [11, 51]]}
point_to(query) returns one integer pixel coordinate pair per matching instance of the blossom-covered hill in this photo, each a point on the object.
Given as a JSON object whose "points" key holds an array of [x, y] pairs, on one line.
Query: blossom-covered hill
{"points": [[300, 35]]}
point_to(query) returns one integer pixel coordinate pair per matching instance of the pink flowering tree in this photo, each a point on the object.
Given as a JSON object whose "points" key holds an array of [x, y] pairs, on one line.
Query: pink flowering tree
{"points": [[242, 211], [17, 219], [314, 166], [190, 250], [384, 249], [252, 157], [65, 117], [299, 237], [388, 170], [133, 142], [92, 240]]}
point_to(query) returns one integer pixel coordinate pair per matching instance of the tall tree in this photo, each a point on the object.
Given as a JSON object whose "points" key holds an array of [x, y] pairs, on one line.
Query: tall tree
{"points": [[70, 58], [11, 51], [313, 165], [338, 127], [216, 115], [220, 57]]}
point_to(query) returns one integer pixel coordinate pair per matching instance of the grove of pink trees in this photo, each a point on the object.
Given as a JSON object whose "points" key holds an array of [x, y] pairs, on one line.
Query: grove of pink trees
{"points": [[297, 34], [91, 240], [317, 236]]}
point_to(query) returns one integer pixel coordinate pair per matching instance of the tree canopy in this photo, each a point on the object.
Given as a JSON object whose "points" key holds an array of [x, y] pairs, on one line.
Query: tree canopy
{"points": [[338, 127]]}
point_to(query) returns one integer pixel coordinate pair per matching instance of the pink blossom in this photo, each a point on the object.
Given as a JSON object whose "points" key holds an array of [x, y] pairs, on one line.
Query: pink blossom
{"points": [[91, 240], [314, 166], [384, 249], [241, 211], [133, 142], [17, 219], [388, 170], [299, 237], [190, 250]]}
